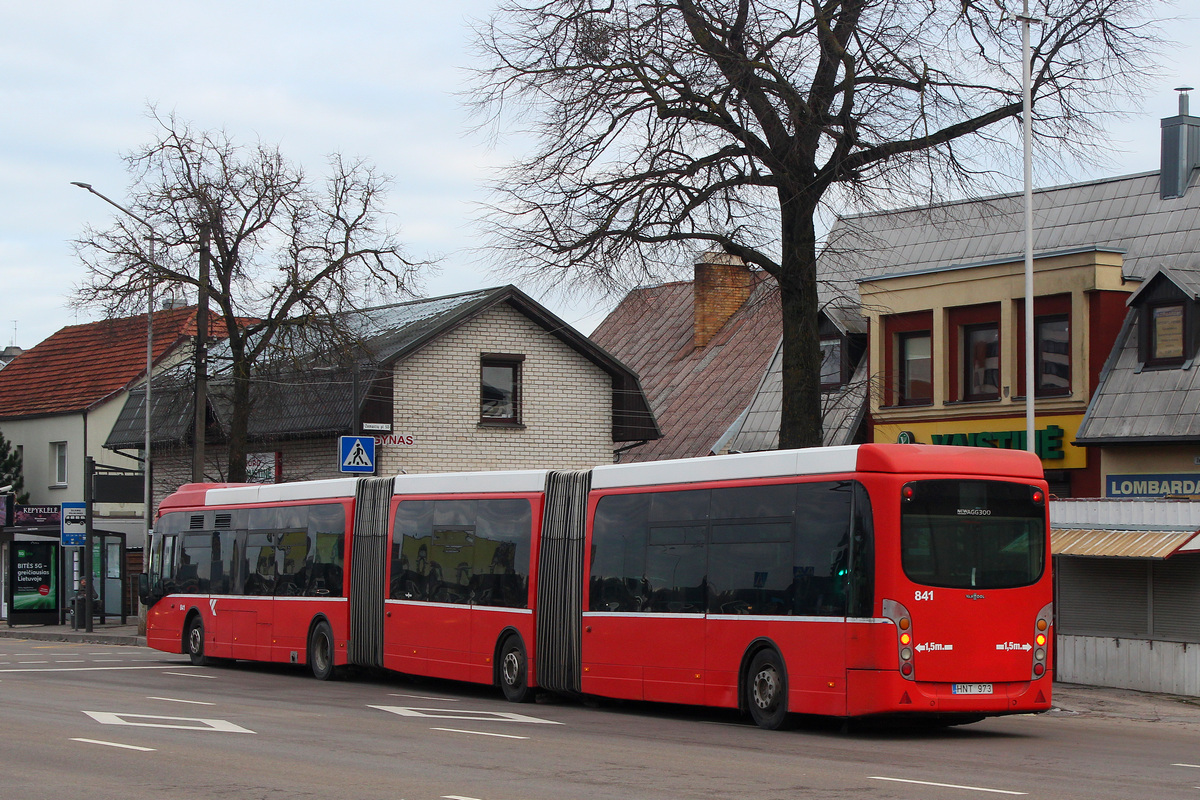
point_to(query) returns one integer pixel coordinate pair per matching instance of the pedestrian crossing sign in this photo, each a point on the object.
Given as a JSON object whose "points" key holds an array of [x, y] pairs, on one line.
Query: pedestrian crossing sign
{"points": [[357, 454]]}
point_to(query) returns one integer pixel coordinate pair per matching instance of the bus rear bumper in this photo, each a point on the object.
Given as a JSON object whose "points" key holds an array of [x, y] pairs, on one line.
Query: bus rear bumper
{"points": [[872, 692]]}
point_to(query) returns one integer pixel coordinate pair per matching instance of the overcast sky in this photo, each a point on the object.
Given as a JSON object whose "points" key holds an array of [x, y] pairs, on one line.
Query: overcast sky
{"points": [[378, 80]]}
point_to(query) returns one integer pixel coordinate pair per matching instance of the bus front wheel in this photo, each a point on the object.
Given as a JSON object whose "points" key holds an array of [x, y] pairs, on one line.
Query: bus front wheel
{"points": [[195, 641], [514, 671], [320, 652], [766, 690]]}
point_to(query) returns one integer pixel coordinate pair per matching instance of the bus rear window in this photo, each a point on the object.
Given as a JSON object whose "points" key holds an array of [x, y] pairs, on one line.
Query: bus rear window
{"points": [[972, 534]]}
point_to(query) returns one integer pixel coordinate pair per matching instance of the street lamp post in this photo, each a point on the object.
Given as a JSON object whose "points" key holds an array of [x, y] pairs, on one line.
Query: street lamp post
{"points": [[148, 492]]}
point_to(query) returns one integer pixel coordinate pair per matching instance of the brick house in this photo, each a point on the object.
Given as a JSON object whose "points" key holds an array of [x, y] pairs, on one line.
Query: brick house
{"points": [[482, 380]]}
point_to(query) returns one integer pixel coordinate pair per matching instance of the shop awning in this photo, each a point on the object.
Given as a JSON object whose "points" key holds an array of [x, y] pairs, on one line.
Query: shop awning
{"points": [[1122, 544]]}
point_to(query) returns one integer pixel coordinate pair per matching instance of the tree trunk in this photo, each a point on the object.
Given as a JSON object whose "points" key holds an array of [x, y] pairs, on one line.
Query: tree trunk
{"points": [[800, 417], [239, 422]]}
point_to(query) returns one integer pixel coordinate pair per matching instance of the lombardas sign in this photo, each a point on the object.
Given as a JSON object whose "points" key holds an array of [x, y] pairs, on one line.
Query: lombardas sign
{"points": [[1052, 440]]}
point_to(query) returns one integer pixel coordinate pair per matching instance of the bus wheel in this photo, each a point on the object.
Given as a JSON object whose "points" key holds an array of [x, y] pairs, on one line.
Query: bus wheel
{"points": [[320, 652], [766, 690], [195, 641], [514, 673]]}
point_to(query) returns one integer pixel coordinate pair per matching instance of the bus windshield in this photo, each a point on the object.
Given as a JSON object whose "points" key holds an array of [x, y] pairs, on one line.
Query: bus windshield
{"points": [[972, 534]]}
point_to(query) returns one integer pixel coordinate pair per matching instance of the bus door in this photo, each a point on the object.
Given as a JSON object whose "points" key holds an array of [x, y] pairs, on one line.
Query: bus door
{"points": [[973, 555]]}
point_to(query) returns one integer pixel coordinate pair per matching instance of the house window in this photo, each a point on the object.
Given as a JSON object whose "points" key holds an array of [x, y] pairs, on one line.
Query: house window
{"points": [[1053, 353], [831, 363], [981, 362], [1166, 334], [500, 389], [916, 368], [58, 463]]}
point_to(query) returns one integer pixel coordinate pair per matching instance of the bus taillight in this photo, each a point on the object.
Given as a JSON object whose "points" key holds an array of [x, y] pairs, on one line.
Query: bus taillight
{"points": [[898, 614], [1041, 639]]}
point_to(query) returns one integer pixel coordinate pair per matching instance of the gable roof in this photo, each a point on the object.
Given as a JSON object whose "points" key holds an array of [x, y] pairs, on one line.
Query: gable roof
{"points": [[842, 411], [1123, 213], [317, 402], [1136, 405], [696, 393], [81, 366]]}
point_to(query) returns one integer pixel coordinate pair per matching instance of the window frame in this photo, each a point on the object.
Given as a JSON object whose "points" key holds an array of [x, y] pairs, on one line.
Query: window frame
{"points": [[838, 345], [1039, 359], [59, 465], [507, 361], [967, 362], [1152, 334], [903, 398]]}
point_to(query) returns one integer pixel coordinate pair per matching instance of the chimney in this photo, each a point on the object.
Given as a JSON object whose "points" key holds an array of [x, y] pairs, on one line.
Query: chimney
{"points": [[722, 284], [1180, 149]]}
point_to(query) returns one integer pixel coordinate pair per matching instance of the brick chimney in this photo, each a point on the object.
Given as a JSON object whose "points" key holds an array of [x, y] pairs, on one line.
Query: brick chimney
{"points": [[722, 284]]}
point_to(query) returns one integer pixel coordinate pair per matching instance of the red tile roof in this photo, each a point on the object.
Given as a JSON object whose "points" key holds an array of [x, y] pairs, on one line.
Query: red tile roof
{"points": [[695, 393], [82, 365]]}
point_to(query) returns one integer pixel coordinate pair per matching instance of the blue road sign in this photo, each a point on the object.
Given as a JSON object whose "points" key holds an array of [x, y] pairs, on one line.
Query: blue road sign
{"points": [[357, 454], [74, 524]]}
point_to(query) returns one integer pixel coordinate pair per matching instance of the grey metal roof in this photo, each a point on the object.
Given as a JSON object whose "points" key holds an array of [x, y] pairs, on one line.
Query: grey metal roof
{"points": [[1142, 405], [1123, 213], [757, 429]]}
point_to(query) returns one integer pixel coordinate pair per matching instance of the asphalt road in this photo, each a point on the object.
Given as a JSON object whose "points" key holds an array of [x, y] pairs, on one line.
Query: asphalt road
{"points": [[98, 722]]}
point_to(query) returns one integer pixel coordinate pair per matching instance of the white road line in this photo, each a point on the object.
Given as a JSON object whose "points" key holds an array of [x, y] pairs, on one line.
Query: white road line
{"points": [[76, 669], [946, 785], [184, 674], [1193, 766], [457, 797], [423, 697], [480, 733], [70, 661], [107, 660], [177, 700], [116, 744], [33, 662], [174, 723]]}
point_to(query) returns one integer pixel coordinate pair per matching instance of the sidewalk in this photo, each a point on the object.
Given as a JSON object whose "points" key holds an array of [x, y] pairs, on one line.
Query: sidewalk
{"points": [[111, 632]]}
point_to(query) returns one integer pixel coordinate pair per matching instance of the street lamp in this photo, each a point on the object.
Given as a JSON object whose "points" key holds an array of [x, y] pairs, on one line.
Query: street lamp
{"points": [[149, 361]]}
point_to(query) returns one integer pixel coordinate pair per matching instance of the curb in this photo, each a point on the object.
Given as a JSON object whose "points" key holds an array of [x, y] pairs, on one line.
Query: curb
{"points": [[83, 637]]}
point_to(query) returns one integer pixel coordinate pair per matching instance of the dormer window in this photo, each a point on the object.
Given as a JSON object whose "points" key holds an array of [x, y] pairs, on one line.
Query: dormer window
{"points": [[831, 363]]}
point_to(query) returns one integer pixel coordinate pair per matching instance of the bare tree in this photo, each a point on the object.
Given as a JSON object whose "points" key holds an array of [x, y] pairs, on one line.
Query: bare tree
{"points": [[664, 125], [284, 255]]}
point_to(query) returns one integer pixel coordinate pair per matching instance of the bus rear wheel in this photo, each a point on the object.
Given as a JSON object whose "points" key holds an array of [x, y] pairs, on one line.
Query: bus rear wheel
{"points": [[766, 690], [514, 671], [320, 652], [195, 641]]}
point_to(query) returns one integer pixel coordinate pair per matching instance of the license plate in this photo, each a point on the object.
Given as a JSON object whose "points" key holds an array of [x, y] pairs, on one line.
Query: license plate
{"points": [[971, 688]]}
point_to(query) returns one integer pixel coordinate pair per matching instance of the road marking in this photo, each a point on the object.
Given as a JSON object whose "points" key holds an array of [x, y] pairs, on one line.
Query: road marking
{"points": [[76, 669], [115, 744], [33, 662], [946, 785], [457, 797], [479, 733], [184, 674], [177, 700], [1193, 766], [177, 723], [424, 697], [463, 714], [70, 661]]}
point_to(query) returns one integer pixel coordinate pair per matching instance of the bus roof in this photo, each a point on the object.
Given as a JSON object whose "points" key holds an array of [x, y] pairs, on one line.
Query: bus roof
{"points": [[892, 458]]}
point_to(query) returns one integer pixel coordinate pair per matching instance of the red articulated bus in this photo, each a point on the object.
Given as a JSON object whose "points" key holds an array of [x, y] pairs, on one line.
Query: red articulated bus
{"points": [[855, 581]]}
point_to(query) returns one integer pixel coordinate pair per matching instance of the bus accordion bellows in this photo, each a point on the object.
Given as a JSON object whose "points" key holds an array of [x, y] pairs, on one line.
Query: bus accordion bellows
{"points": [[858, 581]]}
